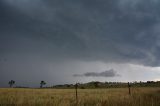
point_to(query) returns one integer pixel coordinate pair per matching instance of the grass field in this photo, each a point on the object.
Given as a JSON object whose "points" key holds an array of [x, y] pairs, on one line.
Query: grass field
{"points": [[86, 97]]}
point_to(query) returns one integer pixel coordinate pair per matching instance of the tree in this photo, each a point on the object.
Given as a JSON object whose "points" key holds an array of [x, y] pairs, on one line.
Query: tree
{"points": [[42, 83], [11, 83], [96, 84]]}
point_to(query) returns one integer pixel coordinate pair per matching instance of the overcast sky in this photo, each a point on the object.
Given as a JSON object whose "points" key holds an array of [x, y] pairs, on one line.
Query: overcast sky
{"points": [[69, 41]]}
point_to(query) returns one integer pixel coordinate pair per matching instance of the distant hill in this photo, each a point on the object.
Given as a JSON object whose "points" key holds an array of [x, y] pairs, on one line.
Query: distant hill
{"points": [[97, 84]]}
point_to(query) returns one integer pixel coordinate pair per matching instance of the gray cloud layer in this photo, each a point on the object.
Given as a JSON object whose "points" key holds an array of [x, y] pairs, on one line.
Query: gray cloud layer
{"points": [[106, 30], [107, 73], [47, 31]]}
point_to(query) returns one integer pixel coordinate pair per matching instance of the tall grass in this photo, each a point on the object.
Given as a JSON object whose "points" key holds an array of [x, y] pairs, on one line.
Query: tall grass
{"points": [[86, 97]]}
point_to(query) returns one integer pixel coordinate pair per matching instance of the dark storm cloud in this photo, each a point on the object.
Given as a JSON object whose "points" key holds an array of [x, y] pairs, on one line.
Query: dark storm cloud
{"points": [[107, 30], [107, 73], [118, 31]]}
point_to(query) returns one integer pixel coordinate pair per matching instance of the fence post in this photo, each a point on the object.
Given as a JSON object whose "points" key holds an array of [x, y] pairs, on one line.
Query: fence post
{"points": [[129, 88], [76, 86]]}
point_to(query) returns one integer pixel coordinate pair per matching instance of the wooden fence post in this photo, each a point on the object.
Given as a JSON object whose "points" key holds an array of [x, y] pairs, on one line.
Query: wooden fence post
{"points": [[129, 88], [76, 86]]}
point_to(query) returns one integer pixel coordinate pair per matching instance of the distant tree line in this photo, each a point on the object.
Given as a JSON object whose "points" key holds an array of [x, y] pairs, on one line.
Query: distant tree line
{"points": [[97, 84]]}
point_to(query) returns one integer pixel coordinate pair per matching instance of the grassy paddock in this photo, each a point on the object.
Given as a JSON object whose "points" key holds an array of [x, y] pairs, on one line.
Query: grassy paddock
{"points": [[86, 97]]}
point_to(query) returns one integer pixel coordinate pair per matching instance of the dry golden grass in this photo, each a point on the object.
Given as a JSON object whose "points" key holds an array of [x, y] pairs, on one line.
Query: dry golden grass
{"points": [[86, 97]]}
